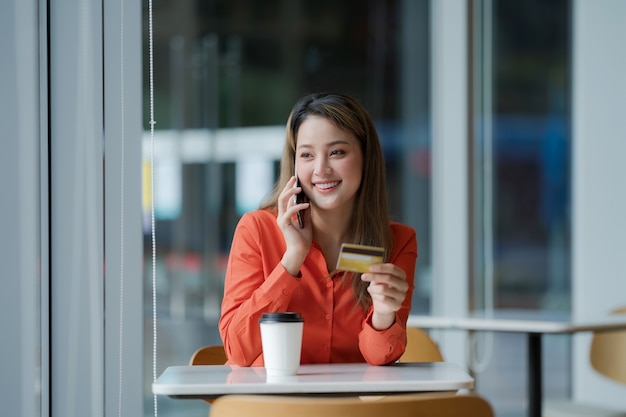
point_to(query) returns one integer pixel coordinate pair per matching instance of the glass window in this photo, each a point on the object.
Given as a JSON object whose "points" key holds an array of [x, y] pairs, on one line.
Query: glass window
{"points": [[226, 76], [521, 149], [521, 184]]}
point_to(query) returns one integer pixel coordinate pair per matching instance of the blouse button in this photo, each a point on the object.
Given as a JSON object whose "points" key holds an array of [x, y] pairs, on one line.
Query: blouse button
{"points": [[329, 284], [327, 317], [285, 292]]}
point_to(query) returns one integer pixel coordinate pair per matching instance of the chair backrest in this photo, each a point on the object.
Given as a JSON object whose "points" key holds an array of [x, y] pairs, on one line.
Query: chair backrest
{"points": [[608, 352], [420, 347], [209, 355], [412, 405]]}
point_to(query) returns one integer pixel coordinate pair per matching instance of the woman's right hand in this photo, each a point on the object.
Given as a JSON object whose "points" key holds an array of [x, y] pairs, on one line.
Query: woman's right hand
{"points": [[297, 240]]}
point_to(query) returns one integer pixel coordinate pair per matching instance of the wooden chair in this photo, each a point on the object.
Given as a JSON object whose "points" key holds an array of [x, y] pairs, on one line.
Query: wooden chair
{"points": [[420, 347], [608, 352], [607, 356], [209, 355], [407, 405]]}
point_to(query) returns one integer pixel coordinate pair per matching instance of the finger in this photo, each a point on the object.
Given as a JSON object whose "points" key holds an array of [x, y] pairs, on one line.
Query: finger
{"points": [[382, 298], [387, 291], [392, 281], [388, 268], [386, 271], [289, 191], [286, 199]]}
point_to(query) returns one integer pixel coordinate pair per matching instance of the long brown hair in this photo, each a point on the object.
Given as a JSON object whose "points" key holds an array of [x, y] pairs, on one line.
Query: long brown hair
{"points": [[370, 223]]}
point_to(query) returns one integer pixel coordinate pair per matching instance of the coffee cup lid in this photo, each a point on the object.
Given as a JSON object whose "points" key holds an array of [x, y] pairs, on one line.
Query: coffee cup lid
{"points": [[280, 317]]}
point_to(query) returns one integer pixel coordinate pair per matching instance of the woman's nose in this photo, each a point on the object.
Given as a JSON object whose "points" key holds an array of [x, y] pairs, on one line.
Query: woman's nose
{"points": [[322, 167]]}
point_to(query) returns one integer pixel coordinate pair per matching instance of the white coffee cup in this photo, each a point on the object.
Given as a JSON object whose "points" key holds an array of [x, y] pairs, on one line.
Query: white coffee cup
{"points": [[281, 338]]}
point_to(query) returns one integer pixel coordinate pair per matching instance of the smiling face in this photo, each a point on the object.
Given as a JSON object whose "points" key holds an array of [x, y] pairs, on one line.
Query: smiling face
{"points": [[330, 164]]}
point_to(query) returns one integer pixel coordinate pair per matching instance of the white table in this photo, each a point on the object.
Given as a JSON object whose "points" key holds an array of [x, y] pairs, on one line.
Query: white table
{"points": [[534, 329], [211, 381]]}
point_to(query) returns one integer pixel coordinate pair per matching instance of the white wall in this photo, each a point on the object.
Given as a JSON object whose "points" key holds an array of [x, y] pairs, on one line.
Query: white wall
{"points": [[599, 171]]}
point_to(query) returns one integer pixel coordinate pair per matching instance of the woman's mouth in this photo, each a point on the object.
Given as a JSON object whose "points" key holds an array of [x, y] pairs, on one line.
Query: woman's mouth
{"points": [[327, 185]]}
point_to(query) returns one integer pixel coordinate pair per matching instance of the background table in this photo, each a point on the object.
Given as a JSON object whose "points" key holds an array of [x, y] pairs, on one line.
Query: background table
{"points": [[534, 329], [211, 381]]}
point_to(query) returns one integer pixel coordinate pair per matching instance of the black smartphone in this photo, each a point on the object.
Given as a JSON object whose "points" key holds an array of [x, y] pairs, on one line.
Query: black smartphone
{"points": [[300, 198]]}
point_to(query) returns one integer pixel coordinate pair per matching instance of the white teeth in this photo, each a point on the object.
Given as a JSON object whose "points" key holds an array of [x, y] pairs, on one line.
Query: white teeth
{"points": [[327, 185]]}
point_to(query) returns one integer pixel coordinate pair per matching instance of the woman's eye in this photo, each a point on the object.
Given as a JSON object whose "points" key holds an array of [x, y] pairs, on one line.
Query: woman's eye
{"points": [[337, 152]]}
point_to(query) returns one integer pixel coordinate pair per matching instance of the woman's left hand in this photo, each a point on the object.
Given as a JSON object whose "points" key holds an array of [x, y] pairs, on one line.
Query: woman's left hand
{"points": [[387, 287]]}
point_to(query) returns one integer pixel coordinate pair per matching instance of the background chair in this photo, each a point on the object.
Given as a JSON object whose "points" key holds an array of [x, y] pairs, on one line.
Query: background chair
{"points": [[607, 355], [608, 352], [420, 347], [412, 405]]}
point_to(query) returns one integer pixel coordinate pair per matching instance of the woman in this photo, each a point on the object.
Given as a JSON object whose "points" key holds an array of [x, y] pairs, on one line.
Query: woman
{"points": [[276, 265]]}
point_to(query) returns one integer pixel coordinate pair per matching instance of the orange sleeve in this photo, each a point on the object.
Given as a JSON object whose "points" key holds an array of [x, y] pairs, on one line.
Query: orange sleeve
{"points": [[381, 347], [251, 288]]}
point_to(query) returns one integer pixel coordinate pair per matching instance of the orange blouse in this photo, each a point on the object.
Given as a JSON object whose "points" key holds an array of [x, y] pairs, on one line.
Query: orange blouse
{"points": [[335, 328]]}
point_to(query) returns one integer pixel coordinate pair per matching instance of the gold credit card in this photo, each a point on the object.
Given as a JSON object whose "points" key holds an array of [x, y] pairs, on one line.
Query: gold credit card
{"points": [[358, 258]]}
